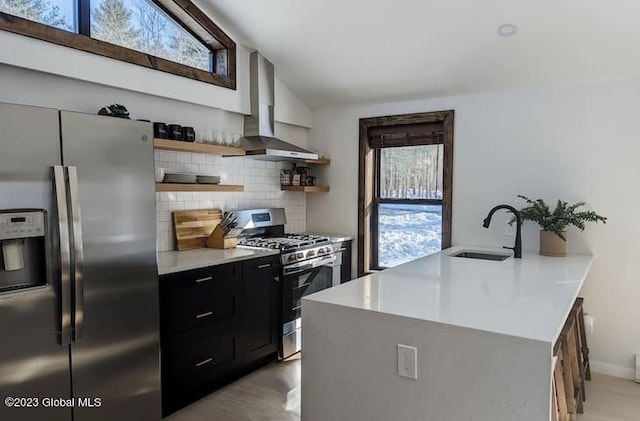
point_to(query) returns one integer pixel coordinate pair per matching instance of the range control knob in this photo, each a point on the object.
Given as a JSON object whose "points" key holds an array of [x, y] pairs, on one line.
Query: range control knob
{"points": [[291, 258], [300, 255], [311, 253]]}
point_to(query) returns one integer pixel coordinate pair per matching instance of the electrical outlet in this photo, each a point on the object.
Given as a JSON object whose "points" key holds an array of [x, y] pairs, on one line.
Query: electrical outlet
{"points": [[408, 361], [509, 230]]}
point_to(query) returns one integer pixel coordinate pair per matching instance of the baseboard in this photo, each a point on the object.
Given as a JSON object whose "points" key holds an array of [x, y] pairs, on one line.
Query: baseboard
{"points": [[612, 370]]}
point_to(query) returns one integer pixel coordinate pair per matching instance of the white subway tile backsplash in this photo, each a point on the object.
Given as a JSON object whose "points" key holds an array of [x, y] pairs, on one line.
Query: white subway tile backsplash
{"points": [[183, 157], [164, 226], [166, 156], [168, 196], [192, 205], [192, 168], [164, 216], [206, 204], [198, 158], [175, 206], [261, 180], [184, 196], [175, 167]]}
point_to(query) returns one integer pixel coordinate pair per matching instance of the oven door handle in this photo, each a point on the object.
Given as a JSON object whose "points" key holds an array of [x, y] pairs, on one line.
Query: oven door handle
{"points": [[324, 261], [309, 264]]}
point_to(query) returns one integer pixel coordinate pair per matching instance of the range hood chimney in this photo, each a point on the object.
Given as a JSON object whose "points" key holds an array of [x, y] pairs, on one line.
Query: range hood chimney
{"points": [[259, 135]]}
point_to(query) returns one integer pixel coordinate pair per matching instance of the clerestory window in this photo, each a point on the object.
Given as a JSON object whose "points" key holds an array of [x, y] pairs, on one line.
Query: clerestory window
{"points": [[168, 35]]}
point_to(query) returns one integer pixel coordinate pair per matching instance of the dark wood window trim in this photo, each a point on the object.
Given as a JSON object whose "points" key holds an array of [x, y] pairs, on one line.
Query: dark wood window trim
{"points": [[184, 12], [400, 130]]}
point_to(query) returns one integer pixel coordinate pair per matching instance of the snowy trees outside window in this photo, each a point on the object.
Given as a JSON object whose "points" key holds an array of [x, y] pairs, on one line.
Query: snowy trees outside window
{"points": [[142, 26], [410, 219], [57, 13]]}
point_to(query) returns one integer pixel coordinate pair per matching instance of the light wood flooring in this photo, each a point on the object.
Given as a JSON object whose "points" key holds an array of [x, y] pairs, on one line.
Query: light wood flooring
{"points": [[272, 393], [611, 399]]}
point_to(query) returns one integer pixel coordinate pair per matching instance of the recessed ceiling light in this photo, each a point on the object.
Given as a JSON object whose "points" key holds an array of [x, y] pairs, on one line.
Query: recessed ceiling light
{"points": [[507, 30]]}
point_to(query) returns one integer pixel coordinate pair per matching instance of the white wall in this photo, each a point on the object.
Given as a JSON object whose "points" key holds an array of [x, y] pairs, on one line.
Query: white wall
{"points": [[578, 143], [29, 53], [23, 86]]}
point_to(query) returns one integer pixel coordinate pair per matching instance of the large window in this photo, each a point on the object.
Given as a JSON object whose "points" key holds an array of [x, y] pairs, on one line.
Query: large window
{"points": [[169, 35], [407, 203], [405, 188]]}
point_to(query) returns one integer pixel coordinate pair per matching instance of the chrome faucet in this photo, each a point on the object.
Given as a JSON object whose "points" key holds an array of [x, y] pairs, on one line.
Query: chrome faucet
{"points": [[517, 248]]}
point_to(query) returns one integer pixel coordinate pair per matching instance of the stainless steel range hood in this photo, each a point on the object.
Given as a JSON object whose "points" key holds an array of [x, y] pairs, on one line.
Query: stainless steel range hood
{"points": [[259, 136]]}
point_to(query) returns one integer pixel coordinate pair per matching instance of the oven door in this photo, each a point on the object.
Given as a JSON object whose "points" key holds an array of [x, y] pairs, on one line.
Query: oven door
{"points": [[300, 280], [303, 279]]}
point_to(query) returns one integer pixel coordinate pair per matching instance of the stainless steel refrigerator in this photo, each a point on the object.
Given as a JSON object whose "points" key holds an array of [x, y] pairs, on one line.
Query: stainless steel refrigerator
{"points": [[79, 315]]}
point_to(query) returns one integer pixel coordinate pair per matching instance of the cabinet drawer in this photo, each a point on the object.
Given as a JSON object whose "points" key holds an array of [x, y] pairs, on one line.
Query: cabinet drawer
{"points": [[201, 359], [200, 277], [218, 307], [263, 266], [194, 300]]}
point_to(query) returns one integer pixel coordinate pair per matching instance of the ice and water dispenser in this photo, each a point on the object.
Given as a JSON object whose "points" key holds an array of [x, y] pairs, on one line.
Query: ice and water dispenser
{"points": [[23, 259]]}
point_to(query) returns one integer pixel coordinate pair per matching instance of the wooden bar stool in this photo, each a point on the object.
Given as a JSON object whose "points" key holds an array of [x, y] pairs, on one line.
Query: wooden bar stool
{"points": [[570, 363], [582, 337], [571, 366], [559, 410]]}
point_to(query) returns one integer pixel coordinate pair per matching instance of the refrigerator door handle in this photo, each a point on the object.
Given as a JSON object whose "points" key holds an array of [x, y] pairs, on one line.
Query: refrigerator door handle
{"points": [[78, 284], [64, 336]]}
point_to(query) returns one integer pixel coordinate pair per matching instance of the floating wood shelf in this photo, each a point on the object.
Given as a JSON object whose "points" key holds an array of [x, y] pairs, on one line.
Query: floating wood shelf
{"points": [[176, 145], [320, 161], [197, 187], [306, 189]]}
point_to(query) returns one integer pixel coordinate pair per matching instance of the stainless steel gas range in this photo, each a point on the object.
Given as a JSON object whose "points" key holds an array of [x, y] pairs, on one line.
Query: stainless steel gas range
{"points": [[308, 265]]}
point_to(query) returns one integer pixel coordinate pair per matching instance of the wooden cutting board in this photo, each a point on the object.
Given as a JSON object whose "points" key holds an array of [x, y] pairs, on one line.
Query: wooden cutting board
{"points": [[192, 228]]}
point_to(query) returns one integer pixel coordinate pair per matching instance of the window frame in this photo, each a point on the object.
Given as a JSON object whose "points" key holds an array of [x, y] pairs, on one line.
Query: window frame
{"points": [[369, 176], [182, 12]]}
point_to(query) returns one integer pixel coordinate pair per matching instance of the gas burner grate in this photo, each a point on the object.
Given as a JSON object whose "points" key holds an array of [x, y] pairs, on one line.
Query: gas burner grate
{"points": [[286, 243]]}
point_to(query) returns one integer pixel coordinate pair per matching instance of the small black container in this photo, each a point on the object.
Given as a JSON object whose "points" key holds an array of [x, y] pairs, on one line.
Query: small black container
{"points": [[188, 134], [175, 131], [160, 130]]}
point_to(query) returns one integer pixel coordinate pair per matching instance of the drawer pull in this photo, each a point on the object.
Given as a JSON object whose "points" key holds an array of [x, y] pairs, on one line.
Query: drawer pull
{"points": [[208, 278], [204, 362], [342, 249], [202, 315], [266, 265]]}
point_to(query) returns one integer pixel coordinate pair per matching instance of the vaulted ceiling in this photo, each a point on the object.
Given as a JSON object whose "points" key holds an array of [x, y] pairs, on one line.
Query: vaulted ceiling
{"points": [[332, 52]]}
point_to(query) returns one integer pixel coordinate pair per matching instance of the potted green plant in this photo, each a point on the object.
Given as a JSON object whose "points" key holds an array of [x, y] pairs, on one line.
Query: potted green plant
{"points": [[553, 223]]}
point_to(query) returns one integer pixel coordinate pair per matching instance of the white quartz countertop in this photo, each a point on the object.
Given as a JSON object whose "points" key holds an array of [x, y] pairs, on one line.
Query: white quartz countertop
{"points": [[529, 297], [178, 261]]}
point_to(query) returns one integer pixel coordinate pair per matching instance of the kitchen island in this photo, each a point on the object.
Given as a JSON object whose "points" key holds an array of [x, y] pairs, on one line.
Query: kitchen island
{"points": [[484, 333]]}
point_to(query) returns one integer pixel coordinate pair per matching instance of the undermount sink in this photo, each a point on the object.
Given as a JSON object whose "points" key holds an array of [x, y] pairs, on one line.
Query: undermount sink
{"points": [[480, 255]]}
